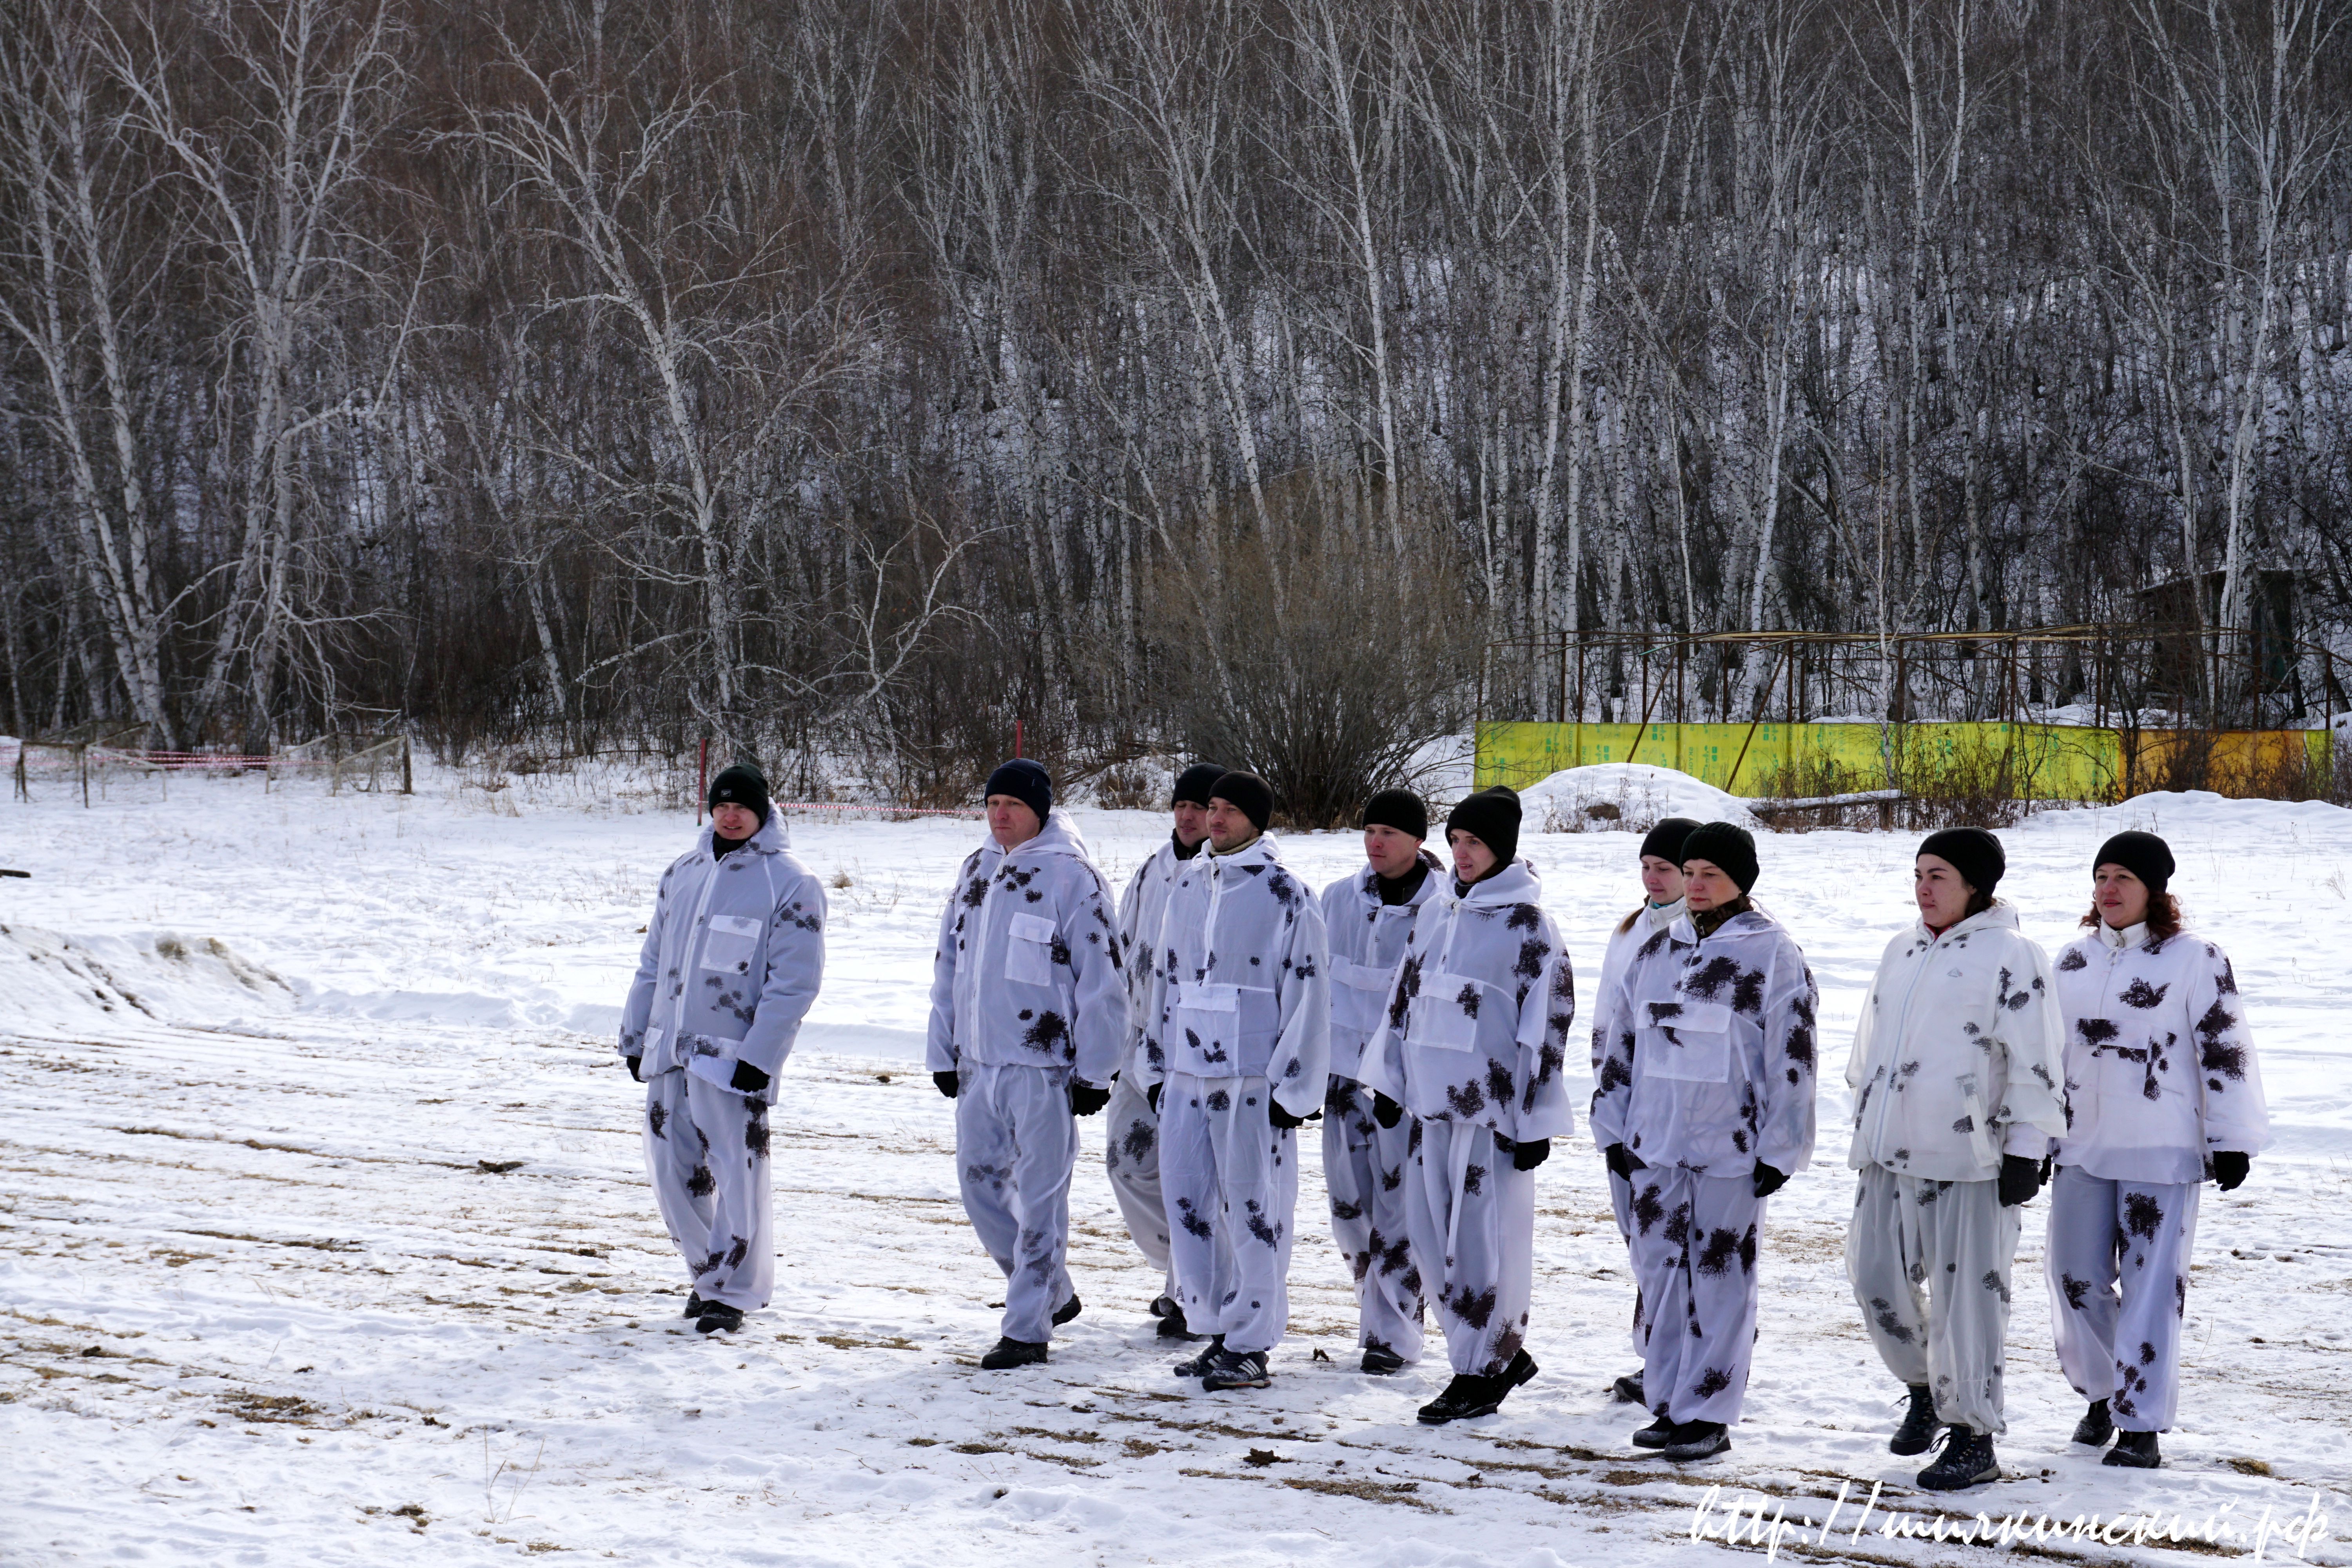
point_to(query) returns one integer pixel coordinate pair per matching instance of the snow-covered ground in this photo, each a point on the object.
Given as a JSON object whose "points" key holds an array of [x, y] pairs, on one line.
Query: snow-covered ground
{"points": [[324, 1238]]}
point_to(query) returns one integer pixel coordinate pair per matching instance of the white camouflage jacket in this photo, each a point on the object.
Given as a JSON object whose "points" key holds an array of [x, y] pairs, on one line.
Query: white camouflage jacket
{"points": [[1956, 1060], [1367, 939], [1028, 973], [1238, 988], [1478, 1016], [732, 958], [1141, 910], [1711, 1048], [1648, 920], [2159, 1069]]}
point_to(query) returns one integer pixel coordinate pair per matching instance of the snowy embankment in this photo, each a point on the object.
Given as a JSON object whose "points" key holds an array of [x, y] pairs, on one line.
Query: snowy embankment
{"points": [[325, 1237]]}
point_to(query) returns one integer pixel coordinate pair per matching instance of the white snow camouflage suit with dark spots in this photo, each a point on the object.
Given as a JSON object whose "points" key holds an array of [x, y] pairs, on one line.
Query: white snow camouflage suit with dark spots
{"points": [[1472, 1045], [1027, 991], [1130, 1127], [1648, 920], [1955, 1064], [733, 956], [2160, 1075], [1365, 1164], [1240, 1015], [1709, 1069]]}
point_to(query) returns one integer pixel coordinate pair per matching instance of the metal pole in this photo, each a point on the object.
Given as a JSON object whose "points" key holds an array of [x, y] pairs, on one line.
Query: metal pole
{"points": [[701, 779]]}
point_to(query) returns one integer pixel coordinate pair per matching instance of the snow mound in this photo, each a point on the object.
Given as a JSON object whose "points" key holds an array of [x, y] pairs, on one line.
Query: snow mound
{"points": [[56, 981], [1624, 798]]}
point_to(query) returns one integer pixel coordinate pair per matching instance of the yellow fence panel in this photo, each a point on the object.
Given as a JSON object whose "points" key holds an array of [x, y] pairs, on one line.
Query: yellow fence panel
{"points": [[2041, 762]]}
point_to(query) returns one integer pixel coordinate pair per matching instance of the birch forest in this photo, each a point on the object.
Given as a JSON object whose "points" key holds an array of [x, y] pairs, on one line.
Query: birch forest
{"points": [[847, 380]]}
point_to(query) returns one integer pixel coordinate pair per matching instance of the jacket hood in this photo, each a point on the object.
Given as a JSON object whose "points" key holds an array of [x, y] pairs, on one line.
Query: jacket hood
{"points": [[2002, 916], [1260, 850], [1059, 836], [1516, 884], [1367, 879], [772, 838]]}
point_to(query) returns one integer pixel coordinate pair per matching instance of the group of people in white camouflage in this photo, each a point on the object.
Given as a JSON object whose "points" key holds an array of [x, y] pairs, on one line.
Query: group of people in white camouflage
{"points": [[1422, 1010]]}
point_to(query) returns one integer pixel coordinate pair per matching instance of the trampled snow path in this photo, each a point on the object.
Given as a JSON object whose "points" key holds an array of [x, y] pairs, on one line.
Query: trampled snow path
{"points": [[269, 1294]]}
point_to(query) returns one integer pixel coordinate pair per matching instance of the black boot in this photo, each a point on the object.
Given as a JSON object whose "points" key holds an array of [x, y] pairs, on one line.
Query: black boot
{"points": [[2095, 1426], [694, 1305], [1173, 1325], [1381, 1361], [1164, 1307], [1917, 1433], [1656, 1434], [1014, 1352], [718, 1317], [1472, 1395], [1198, 1366], [1627, 1390], [1068, 1310], [1966, 1461], [1236, 1369], [1696, 1440], [2134, 1451]]}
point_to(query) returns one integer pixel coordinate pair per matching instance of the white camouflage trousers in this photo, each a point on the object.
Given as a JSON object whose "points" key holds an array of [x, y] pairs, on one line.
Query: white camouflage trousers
{"points": [[1930, 1262], [1231, 1179], [707, 1155], [1694, 1246], [1621, 1204], [2138, 1234], [1131, 1160], [1016, 1144], [1473, 1218], [1365, 1167]]}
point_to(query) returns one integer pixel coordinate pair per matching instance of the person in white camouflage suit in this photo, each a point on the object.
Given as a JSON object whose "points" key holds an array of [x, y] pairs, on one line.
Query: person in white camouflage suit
{"points": [[1367, 916], [733, 956], [1236, 1043], [1471, 1048], [1131, 1131], [1029, 1019], [2163, 1093], [1706, 1103]]}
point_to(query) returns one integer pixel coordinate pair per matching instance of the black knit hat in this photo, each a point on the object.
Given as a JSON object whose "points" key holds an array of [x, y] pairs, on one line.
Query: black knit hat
{"points": [[741, 784], [1975, 854], [1025, 782], [1492, 818], [1398, 808], [2144, 855], [1192, 785], [1726, 844], [1252, 794], [1665, 841]]}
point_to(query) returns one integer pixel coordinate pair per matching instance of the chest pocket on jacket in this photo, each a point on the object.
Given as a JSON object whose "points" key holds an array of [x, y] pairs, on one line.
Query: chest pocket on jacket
{"points": [[1438, 1018], [1029, 950], [1232, 1026], [1690, 1041], [1359, 992], [731, 943]]}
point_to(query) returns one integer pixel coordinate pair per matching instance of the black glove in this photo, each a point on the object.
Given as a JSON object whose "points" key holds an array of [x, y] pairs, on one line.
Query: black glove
{"points": [[1386, 1112], [1620, 1163], [1085, 1099], [1277, 1115], [636, 1068], [2021, 1178], [1529, 1153], [1152, 1097], [748, 1079], [2230, 1168], [948, 1083], [1769, 1181]]}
